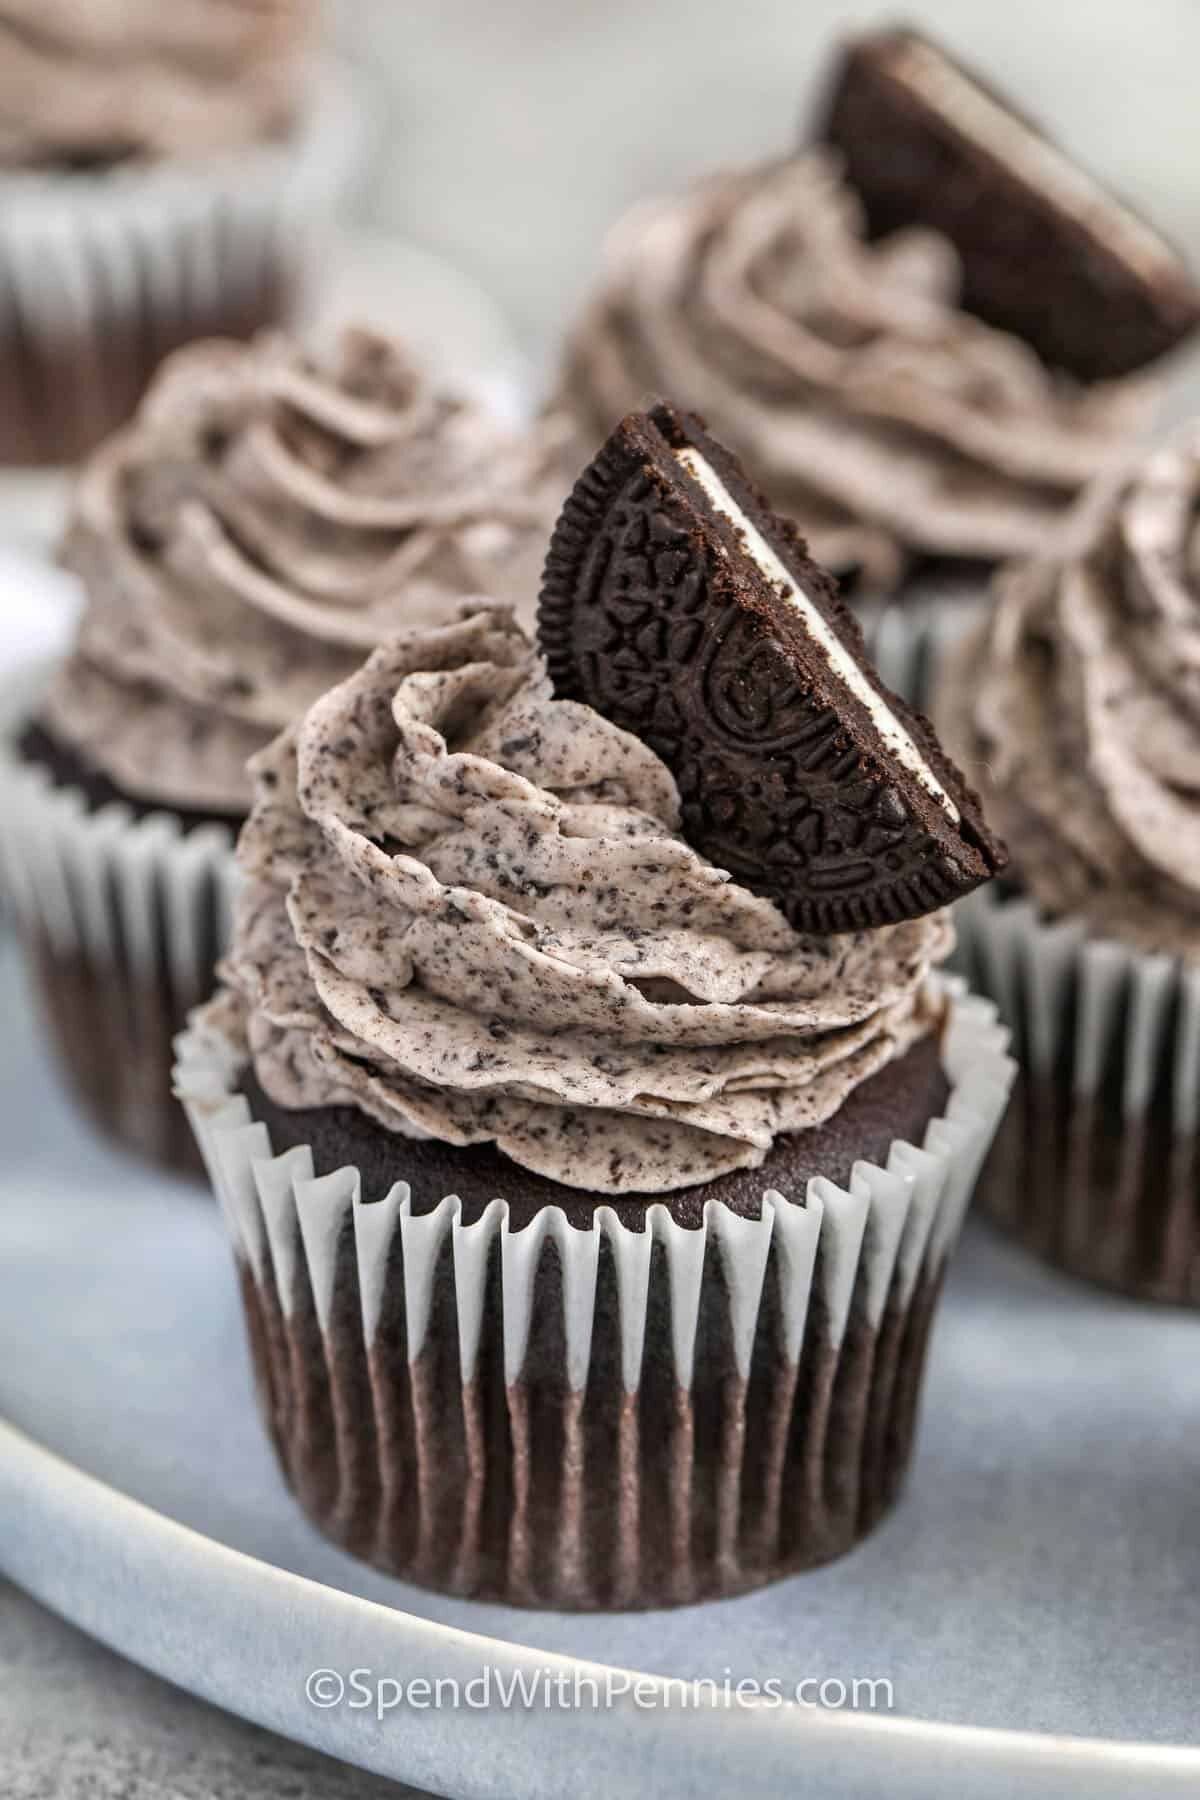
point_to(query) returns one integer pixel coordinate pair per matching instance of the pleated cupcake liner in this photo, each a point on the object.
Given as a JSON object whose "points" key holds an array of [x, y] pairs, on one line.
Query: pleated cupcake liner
{"points": [[908, 638], [1097, 1166], [122, 920], [602, 1417], [103, 274]]}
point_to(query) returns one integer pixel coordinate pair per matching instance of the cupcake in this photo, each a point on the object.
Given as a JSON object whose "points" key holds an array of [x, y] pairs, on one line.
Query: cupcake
{"points": [[858, 322], [165, 171], [897, 429], [1077, 708], [590, 1123], [925, 139], [264, 522]]}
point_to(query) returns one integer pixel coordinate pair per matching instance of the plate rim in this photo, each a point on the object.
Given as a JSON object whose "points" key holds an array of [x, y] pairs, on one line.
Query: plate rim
{"points": [[57, 1518]]}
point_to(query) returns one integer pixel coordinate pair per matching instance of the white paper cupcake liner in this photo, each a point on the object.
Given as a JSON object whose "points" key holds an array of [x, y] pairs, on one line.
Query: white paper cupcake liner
{"points": [[102, 274], [122, 919], [593, 1417], [1098, 1164], [908, 638]]}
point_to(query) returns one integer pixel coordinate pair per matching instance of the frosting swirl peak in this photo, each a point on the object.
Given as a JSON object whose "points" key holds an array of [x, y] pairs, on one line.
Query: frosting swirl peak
{"points": [[887, 422], [470, 914], [265, 521], [1078, 706]]}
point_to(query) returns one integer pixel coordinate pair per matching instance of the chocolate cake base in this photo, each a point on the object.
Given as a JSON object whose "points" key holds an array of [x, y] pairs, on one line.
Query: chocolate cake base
{"points": [[1081, 1177], [531, 1491], [113, 1037], [112, 1017], [65, 392], [534, 1494], [1111, 1200], [896, 1103]]}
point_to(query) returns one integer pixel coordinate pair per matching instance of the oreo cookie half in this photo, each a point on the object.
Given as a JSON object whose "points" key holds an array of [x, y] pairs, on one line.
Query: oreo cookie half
{"points": [[1047, 252], [681, 607]]}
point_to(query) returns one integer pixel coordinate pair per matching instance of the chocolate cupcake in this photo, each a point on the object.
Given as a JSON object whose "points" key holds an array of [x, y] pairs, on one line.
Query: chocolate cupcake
{"points": [[1077, 707], [266, 520], [926, 140], [590, 1202], [926, 143], [897, 429], [166, 173], [859, 322]]}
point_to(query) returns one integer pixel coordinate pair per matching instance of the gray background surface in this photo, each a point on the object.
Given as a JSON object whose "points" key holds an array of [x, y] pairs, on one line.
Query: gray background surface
{"points": [[78, 1723]]}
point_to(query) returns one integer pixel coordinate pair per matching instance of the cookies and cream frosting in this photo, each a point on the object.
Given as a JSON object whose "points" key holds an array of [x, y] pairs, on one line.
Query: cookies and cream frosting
{"points": [[886, 421], [468, 911], [266, 520], [98, 81], [1077, 709]]}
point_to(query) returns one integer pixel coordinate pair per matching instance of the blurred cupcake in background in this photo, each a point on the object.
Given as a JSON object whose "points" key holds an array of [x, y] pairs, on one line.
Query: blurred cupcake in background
{"points": [[166, 171], [1046, 254], [1076, 707], [847, 319], [267, 518], [893, 427], [925, 139]]}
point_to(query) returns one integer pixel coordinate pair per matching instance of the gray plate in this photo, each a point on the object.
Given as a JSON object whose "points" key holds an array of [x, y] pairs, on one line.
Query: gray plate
{"points": [[1041, 1575]]}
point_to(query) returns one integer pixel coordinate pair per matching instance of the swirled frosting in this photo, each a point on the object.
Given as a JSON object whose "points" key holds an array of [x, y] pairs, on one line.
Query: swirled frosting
{"points": [[887, 422], [99, 81], [1077, 706], [264, 523], [470, 914]]}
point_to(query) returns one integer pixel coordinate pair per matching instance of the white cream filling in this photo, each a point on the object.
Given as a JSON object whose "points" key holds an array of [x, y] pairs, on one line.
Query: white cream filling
{"points": [[847, 670], [1030, 156]]}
